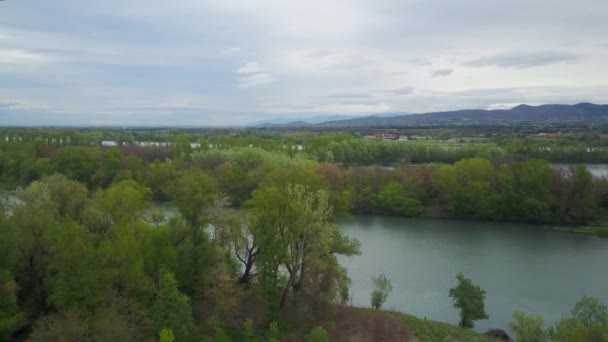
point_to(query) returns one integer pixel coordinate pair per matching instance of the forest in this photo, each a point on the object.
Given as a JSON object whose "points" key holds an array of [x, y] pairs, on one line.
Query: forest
{"points": [[253, 253]]}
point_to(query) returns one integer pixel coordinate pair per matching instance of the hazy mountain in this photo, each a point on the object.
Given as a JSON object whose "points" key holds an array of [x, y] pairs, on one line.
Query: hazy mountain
{"points": [[582, 112], [318, 119], [309, 120]]}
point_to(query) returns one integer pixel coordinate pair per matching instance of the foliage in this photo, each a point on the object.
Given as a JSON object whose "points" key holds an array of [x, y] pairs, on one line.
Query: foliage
{"points": [[296, 238], [248, 329], [469, 300], [382, 287], [83, 257], [166, 335], [317, 334], [171, 309], [589, 311], [393, 200], [192, 192], [587, 323], [124, 202], [11, 318], [274, 333], [528, 328]]}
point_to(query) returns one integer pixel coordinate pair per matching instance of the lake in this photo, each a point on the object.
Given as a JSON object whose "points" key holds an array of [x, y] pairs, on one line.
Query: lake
{"points": [[522, 267]]}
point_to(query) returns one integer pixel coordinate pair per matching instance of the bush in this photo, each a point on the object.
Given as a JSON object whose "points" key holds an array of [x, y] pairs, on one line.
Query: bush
{"points": [[318, 334], [528, 328], [382, 287]]}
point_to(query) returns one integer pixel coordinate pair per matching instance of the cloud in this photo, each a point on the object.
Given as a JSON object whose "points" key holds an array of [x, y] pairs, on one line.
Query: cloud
{"points": [[254, 80], [509, 105], [230, 51], [249, 68], [350, 108], [520, 60], [16, 56], [254, 76], [441, 72], [218, 62], [418, 61], [403, 91]]}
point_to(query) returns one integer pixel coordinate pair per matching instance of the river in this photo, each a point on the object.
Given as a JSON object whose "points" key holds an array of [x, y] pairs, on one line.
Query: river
{"points": [[522, 267]]}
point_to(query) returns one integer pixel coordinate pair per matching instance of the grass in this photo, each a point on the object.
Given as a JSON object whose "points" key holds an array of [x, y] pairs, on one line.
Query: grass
{"points": [[432, 331], [589, 230]]}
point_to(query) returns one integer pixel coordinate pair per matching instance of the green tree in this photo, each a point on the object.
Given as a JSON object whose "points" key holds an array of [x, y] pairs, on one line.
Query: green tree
{"points": [[182, 148], [248, 330], [123, 261], [528, 328], [32, 262], [469, 299], [193, 192], [465, 188], [589, 322], [124, 202], [77, 280], [318, 334], [581, 195], [590, 311], [274, 332], [393, 200], [166, 335], [296, 236], [526, 191], [382, 287], [69, 196], [11, 317], [171, 308]]}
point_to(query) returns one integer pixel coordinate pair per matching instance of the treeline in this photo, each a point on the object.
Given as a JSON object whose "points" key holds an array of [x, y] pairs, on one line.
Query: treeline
{"points": [[350, 149], [478, 188]]}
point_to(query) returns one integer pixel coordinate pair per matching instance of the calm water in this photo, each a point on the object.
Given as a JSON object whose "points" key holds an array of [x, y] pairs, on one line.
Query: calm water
{"points": [[521, 267]]}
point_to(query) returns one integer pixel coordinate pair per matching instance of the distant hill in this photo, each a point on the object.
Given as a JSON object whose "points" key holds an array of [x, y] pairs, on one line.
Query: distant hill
{"points": [[279, 121], [550, 113], [319, 119]]}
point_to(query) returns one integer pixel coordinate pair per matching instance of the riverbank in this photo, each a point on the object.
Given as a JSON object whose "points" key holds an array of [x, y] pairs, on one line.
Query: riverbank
{"points": [[431, 331], [587, 230], [364, 324]]}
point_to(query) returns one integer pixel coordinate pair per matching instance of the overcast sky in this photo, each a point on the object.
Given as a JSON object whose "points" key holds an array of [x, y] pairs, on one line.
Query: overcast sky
{"points": [[223, 62]]}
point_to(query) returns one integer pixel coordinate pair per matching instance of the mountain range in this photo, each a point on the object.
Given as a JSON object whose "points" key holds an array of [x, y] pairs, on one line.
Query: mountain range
{"points": [[548, 113], [313, 120]]}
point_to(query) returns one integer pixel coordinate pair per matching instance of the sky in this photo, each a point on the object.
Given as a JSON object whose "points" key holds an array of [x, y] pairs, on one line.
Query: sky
{"points": [[225, 62]]}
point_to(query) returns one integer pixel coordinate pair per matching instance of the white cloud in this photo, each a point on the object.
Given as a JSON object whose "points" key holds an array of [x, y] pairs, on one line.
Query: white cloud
{"points": [[254, 80], [231, 51], [525, 59], [249, 68], [16, 56], [357, 108], [253, 76], [344, 56]]}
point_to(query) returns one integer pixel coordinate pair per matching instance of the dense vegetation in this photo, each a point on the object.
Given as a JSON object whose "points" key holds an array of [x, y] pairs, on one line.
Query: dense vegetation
{"points": [[588, 322], [104, 267], [85, 256], [479, 180]]}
